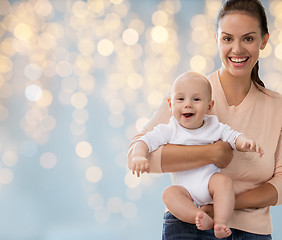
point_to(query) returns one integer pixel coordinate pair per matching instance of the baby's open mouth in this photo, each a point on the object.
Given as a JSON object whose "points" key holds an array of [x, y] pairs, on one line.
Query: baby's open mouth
{"points": [[187, 115]]}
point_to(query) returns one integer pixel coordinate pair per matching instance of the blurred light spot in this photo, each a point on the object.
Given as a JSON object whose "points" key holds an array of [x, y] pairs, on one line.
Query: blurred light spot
{"points": [[135, 81], [112, 21], [138, 25], [7, 46], [43, 8], [116, 120], [134, 194], [55, 29], [86, 46], [77, 129], [80, 115], [87, 83], [131, 180], [79, 100], [69, 85], [278, 51], [33, 71], [6, 90], [83, 149], [6, 176], [46, 99], [116, 1], [48, 123], [130, 36], [199, 22], [102, 215], [5, 64], [154, 98], [80, 9], [33, 92], [5, 7], [47, 41], [116, 106], [160, 18], [96, 6], [22, 32], [129, 210], [49, 68], [64, 69], [48, 160], [114, 205], [198, 63], [159, 34], [28, 148], [96, 201], [105, 47], [140, 123], [94, 174], [10, 158]]}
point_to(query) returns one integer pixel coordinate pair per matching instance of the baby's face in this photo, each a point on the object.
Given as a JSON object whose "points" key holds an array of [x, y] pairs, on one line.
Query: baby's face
{"points": [[190, 101]]}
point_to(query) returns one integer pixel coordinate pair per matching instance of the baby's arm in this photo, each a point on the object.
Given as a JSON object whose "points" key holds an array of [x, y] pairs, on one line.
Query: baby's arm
{"points": [[140, 163], [244, 144]]}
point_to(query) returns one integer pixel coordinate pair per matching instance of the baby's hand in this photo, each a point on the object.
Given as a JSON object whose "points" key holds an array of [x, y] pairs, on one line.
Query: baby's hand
{"points": [[140, 165], [252, 146]]}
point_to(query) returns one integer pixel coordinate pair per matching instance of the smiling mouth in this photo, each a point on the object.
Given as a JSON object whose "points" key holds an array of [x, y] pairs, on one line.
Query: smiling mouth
{"points": [[187, 115], [238, 60]]}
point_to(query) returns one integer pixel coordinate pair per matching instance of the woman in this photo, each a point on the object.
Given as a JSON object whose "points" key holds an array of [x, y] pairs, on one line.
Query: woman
{"points": [[242, 102]]}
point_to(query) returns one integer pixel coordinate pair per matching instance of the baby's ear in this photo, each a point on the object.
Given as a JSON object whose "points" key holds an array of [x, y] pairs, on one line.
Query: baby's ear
{"points": [[169, 102], [211, 104]]}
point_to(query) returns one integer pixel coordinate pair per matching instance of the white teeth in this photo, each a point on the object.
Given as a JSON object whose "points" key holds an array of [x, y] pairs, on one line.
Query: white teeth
{"points": [[238, 60]]}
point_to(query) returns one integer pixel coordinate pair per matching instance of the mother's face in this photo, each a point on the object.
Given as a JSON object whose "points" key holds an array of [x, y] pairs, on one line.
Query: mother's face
{"points": [[239, 41]]}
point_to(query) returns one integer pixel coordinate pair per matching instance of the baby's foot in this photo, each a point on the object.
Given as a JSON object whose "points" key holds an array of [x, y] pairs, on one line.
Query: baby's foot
{"points": [[203, 221], [221, 231]]}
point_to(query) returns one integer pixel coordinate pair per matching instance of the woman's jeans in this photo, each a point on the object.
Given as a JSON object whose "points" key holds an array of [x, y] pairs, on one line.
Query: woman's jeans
{"points": [[174, 229]]}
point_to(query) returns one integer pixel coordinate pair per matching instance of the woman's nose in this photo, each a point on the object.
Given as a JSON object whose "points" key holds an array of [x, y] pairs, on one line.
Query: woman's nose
{"points": [[237, 47]]}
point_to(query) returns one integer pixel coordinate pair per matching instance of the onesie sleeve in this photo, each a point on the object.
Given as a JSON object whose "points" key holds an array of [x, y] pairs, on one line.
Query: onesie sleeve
{"points": [[276, 181], [229, 135], [162, 115], [160, 135]]}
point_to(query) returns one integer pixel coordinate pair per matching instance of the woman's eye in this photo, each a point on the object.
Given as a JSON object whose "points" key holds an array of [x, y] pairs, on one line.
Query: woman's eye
{"points": [[249, 39], [227, 39]]}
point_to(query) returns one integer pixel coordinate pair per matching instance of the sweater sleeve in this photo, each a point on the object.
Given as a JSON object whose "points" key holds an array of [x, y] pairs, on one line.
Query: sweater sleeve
{"points": [[162, 115], [276, 180]]}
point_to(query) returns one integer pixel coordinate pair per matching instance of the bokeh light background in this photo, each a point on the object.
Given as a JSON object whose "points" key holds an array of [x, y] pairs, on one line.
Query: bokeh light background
{"points": [[77, 80]]}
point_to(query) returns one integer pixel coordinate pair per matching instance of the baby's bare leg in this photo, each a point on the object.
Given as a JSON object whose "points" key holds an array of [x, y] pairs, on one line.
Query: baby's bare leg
{"points": [[179, 202], [221, 190]]}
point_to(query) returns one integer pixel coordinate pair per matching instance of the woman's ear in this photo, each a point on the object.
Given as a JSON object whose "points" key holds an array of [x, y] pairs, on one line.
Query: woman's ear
{"points": [[264, 41]]}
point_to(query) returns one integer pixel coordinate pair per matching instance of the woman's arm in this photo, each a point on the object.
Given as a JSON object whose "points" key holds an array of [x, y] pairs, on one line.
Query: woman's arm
{"points": [[179, 158], [263, 196]]}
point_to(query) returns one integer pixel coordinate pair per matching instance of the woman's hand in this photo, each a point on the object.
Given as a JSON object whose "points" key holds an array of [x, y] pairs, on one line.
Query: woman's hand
{"points": [[221, 154]]}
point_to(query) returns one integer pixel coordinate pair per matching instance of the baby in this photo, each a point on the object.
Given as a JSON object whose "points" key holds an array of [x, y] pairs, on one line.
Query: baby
{"points": [[190, 101]]}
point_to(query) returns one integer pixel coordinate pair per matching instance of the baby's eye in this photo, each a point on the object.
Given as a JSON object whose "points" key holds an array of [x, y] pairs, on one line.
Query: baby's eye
{"points": [[196, 99], [180, 99]]}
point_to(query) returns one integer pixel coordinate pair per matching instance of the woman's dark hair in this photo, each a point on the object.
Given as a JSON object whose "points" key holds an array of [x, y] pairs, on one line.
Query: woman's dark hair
{"points": [[255, 9]]}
